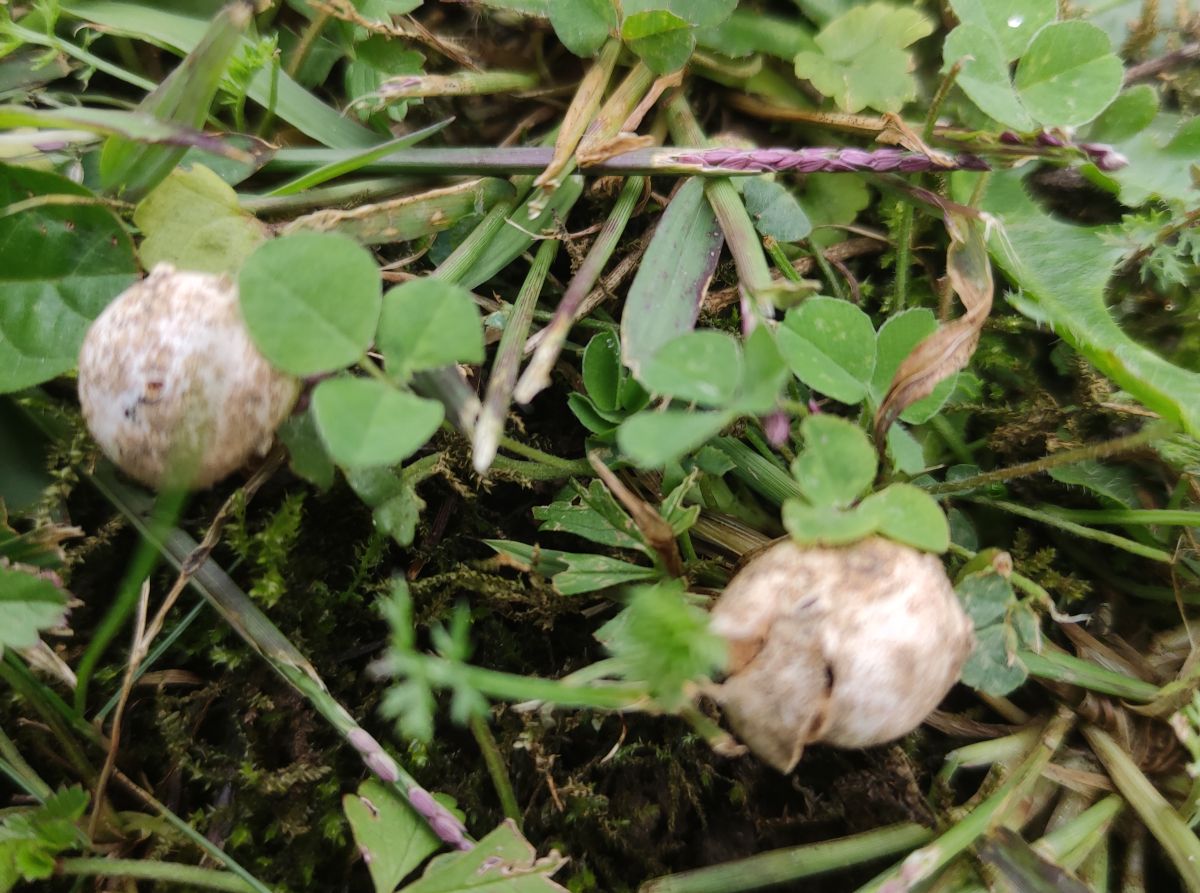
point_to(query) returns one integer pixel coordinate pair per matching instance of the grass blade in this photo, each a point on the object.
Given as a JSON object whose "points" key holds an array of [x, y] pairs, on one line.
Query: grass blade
{"points": [[537, 374], [1179, 841], [166, 28], [132, 169], [355, 160], [664, 298]]}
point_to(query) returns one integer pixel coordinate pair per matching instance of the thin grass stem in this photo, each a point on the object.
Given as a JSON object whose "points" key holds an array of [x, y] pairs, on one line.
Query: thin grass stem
{"points": [[506, 366], [536, 376], [793, 863], [497, 771], [151, 870], [1092, 452]]}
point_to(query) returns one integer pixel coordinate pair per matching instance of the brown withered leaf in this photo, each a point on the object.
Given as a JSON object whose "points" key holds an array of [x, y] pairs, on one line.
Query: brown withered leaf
{"points": [[950, 347]]}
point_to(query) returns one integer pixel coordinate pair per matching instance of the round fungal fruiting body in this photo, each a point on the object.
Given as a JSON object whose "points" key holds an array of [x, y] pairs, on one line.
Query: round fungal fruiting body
{"points": [[850, 646], [172, 387]]}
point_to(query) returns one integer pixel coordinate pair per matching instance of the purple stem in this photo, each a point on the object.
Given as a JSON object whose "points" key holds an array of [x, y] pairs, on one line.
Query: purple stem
{"points": [[821, 159]]}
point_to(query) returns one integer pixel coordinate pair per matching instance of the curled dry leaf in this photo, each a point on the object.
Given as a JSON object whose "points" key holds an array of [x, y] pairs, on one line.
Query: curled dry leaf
{"points": [[850, 646], [949, 349]]}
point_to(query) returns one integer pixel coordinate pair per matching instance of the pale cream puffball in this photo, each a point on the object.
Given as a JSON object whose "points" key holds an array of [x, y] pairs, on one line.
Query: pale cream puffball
{"points": [[170, 381], [851, 645]]}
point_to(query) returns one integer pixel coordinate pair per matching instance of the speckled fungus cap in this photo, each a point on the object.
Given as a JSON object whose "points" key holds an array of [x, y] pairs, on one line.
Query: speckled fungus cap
{"points": [[848, 645], [172, 387]]}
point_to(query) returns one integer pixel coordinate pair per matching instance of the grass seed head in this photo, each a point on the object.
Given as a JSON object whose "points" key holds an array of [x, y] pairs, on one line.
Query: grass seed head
{"points": [[849, 645], [171, 384]]}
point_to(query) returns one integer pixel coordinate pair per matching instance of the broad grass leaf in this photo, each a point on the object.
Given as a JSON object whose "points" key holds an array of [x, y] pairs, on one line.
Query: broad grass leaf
{"points": [[1069, 74], [775, 210], [702, 367], [192, 220], [130, 126], [837, 464], [366, 423], [1011, 24], [502, 862], [664, 298], [1023, 867], [311, 301], [830, 346], [949, 349], [1062, 271], [131, 169], [984, 75], [29, 603], [582, 25], [651, 439], [391, 837], [60, 265], [662, 40], [908, 515], [427, 323]]}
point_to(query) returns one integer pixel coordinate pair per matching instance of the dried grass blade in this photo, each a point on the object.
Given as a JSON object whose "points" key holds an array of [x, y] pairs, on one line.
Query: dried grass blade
{"points": [[580, 113], [949, 349]]}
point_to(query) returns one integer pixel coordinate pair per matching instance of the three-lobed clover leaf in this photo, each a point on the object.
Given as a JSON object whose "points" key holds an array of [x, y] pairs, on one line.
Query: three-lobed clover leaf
{"points": [[837, 464], [364, 422], [835, 469], [709, 368], [1003, 624], [311, 301], [863, 60], [662, 33], [427, 323], [1011, 24], [702, 367], [1066, 76], [832, 347]]}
